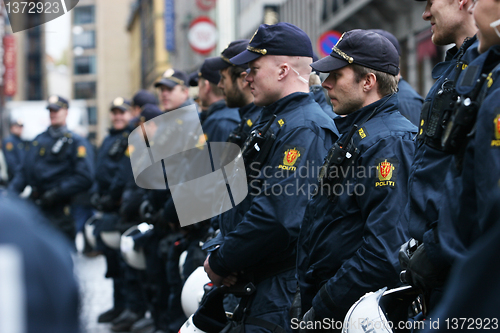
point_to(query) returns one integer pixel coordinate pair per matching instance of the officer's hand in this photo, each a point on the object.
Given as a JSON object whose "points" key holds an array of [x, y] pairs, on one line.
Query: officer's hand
{"points": [[49, 198], [94, 200], [421, 272], [216, 279], [107, 203], [230, 280], [308, 318]]}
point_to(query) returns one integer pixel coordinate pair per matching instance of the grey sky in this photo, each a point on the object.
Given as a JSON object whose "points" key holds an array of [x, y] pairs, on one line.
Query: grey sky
{"points": [[57, 34]]}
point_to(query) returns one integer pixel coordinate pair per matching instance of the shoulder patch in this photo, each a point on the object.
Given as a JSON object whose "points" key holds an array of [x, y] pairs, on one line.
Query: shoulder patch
{"points": [[291, 157], [9, 146], [129, 150], [281, 122], [385, 172], [81, 152], [496, 131], [363, 133]]}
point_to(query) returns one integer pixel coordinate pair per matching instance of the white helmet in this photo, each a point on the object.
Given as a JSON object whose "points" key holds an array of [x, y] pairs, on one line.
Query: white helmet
{"points": [[111, 238], [366, 315], [189, 327], [88, 230], [193, 291], [134, 258]]}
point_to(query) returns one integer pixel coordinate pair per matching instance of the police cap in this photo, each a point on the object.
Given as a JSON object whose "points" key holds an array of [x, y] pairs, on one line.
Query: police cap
{"points": [[173, 77], [390, 37], [233, 49], [364, 48], [193, 79], [16, 122], [57, 102], [209, 73], [143, 97], [121, 104], [279, 39], [149, 111]]}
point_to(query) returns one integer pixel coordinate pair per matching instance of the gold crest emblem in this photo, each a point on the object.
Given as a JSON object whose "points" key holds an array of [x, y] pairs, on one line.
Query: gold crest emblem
{"points": [[9, 146], [129, 150], [497, 127], [82, 152], [53, 99], [118, 101], [385, 170], [169, 72], [291, 156], [255, 33]]}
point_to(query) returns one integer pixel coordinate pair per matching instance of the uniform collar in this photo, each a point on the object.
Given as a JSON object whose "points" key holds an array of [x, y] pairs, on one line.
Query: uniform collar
{"points": [[386, 103], [57, 132], [284, 104], [247, 109], [113, 131]]}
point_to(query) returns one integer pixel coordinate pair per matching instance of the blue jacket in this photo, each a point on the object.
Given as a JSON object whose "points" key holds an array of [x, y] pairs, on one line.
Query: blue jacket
{"points": [[318, 94], [250, 113], [351, 246], [410, 102], [113, 167], [69, 172], [267, 231], [220, 122], [470, 209], [13, 148], [430, 165]]}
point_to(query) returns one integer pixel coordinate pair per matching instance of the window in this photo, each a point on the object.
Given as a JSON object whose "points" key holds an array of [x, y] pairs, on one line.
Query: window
{"points": [[85, 65], [84, 15], [85, 90], [92, 113], [85, 39]]}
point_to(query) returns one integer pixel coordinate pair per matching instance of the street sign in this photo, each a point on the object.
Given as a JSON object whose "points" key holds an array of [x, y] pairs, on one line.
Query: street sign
{"points": [[327, 41], [206, 5], [202, 35]]}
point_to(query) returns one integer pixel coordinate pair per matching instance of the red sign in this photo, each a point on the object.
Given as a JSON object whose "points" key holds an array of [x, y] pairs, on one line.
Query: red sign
{"points": [[206, 4], [202, 35], [327, 41], [9, 59]]}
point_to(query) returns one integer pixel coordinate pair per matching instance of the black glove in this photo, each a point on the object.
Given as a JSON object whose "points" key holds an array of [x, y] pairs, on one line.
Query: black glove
{"points": [[210, 316], [420, 271], [49, 198], [107, 204], [308, 318]]}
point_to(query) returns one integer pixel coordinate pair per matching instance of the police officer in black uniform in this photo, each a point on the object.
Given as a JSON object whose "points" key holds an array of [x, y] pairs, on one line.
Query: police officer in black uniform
{"points": [[13, 147], [57, 166], [349, 238], [141, 98], [260, 246]]}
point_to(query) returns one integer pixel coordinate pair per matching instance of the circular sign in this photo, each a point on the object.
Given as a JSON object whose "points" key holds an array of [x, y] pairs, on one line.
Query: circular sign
{"points": [[327, 41], [202, 35], [206, 4]]}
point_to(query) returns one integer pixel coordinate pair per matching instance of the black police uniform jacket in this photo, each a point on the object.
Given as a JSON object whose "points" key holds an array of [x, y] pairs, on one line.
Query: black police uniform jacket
{"points": [[470, 208], [13, 149], [266, 233], [113, 167], [68, 171], [428, 170], [220, 122], [350, 247]]}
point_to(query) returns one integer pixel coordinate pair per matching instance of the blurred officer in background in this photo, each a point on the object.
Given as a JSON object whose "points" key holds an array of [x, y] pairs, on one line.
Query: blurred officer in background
{"points": [[141, 98], [174, 90], [220, 119], [13, 147], [319, 93], [39, 290], [430, 180], [113, 169], [350, 236], [57, 166], [261, 246], [409, 101]]}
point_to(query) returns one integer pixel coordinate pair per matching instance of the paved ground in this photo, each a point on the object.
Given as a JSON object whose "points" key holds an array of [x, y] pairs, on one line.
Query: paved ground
{"points": [[95, 290]]}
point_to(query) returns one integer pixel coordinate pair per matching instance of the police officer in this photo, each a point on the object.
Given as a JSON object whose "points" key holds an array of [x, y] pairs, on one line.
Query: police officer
{"points": [[220, 120], [40, 293], [57, 166], [260, 246], [350, 235], [429, 174], [13, 147], [174, 90], [236, 89], [141, 98], [410, 102], [475, 147]]}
